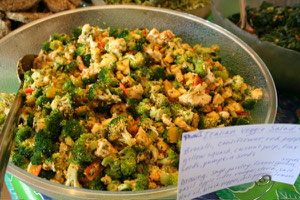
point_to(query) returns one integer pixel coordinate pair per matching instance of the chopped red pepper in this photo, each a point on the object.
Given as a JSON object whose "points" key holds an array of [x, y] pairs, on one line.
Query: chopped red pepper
{"points": [[219, 108], [243, 113], [28, 90], [297, 37], [170, 35], [123, 88], [198, 80], [92, 171], [250, 30], [144, 32]]}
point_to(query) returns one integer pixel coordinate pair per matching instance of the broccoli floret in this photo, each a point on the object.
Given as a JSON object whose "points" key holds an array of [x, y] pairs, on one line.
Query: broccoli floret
{"points": [[179, 59], [222, 74], [199, 66], [172, 159], [128, 161], [180, 111], [137, 60], [168, 178], [143, 108], [159, 99], [141, 73], [107, 77], [68, 85], [69, 67], [25, 148], [96, 184], [132, 103], [117, 130], [30, 120], [140, 183], [86, 59], [114, 169], [240, 121], [158, 113], [53, 123], [119, 33], [41, 101], [23, 133], [37, 158], [64, 38], [27, 79], [139, 45], [46, 46], [80, 154], [83, 148], [19, 160], [208, 122], [76, 32], [57, 161], [113, 186], [44, 144], [82, 50], [249, 103], [55, 44], [72, 129], [237, 82], [93, 90], [157, 73]]}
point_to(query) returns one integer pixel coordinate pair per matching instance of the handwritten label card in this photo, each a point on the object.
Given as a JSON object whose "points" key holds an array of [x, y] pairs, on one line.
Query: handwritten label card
{"points": [[218, 158]]}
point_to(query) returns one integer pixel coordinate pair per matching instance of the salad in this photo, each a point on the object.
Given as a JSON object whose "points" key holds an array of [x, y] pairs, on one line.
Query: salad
{"points": [[279, 25], [183, 5], [105, 109]]}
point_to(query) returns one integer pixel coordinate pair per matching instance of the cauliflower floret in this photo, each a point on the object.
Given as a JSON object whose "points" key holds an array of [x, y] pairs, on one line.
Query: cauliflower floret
{"points": [[142, 137], [116, 46], [154, 36], [72, 173], [227, 92], [179, 121], [104, 148], [108, 60], [123, 66], [196, 96], [135, 92], [210, 76], [237, 82], [153, 52], [154, 151], [224, 114], [256, 94]]}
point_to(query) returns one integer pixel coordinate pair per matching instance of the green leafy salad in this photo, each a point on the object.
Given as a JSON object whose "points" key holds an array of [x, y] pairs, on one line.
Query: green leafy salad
{"points": [[279, 25]]}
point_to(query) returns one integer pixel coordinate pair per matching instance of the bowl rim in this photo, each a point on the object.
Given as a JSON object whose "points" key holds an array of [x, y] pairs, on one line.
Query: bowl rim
{"points": [[54, 188], [252, 36]]}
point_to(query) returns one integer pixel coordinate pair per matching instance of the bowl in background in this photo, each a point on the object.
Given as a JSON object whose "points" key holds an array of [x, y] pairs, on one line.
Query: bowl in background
{"points": [[284, 64], [235, 54]]}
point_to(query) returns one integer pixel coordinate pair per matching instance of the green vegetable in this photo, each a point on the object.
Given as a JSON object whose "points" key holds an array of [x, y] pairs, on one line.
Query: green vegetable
{"points": [[249, 104], [19, 161], [72, 129]]}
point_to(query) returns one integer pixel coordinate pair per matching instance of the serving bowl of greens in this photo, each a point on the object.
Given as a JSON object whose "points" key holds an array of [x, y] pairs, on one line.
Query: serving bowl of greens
{"points": [[275, 37], [106, 104]]}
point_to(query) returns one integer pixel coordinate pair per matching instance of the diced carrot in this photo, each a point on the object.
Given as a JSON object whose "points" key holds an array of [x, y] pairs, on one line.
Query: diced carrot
{"points": [[123, 88], [101, 44], [28, 90], [198, 80], [93, 170], [144, 32], [219, 108], [297, 37], [35, 169], [134, 128], [81, 65]]}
